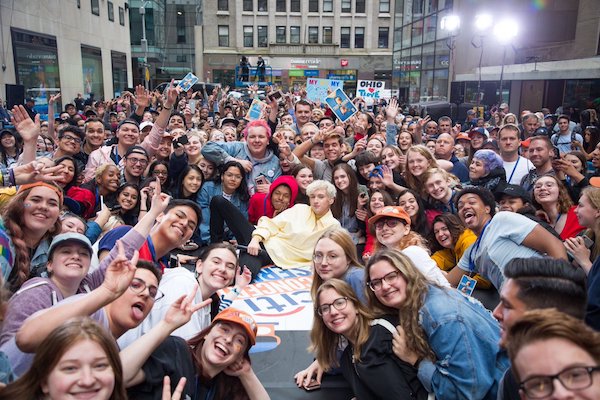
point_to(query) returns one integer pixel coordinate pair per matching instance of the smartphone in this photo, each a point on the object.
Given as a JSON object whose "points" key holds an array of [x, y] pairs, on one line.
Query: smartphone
{"points": [[192, 104], [116, 207], [312, 385], [183, 139], [277, 96], [261, 180]]}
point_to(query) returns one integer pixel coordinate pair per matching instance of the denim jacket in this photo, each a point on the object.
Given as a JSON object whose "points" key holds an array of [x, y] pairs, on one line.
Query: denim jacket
{"points": [[209, 190], [464, 337]]}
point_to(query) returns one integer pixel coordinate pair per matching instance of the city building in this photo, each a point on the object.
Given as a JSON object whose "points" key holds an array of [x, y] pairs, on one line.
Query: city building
{"points": [[66, 46], [542, 53], [337, 39]]}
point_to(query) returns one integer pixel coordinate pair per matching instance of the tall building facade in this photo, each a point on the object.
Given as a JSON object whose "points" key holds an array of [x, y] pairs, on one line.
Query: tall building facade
{"points": [[553, 59], [337, 39], [64, 46]]}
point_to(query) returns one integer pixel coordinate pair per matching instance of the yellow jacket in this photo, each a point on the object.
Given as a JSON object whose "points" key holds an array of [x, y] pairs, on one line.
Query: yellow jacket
{"points": [[290, 237], [446, 259]]}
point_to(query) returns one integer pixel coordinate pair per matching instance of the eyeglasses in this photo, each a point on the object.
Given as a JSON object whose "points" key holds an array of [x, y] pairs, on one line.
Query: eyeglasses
{"points": [[319, 258], [389, 278], [140, 161], [573, 378], [390, 223], [70, 138], [138, 286], [338, 304], [161, 173]]}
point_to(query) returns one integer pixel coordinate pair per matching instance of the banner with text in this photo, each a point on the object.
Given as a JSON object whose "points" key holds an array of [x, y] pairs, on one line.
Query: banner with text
{"points": [[317, 89], [370, 89]]}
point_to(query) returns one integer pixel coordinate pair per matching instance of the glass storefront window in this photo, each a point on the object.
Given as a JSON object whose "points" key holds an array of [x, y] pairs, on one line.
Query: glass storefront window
{"points": [[440, 83], [429, 55], [93, 81], [119, 72], [430, 28], [406, 36], [426, 86], [36, 62], [417, 32], [442, 54]]}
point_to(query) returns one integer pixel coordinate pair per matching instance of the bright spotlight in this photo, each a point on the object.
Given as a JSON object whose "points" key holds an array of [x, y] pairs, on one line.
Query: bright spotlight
{"points": [[483, 22], [506, 30], [450, 23]]}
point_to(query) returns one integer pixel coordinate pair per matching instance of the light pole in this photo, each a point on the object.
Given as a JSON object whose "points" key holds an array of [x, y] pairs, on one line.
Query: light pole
{"points": [[505, 31], [144, 45], [450, 24], [482, 23]]}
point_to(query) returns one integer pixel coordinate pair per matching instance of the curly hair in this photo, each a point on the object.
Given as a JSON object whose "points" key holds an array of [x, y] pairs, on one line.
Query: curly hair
{"points": [[417, 287], [564, 200], [324, 342], [14, 222]]}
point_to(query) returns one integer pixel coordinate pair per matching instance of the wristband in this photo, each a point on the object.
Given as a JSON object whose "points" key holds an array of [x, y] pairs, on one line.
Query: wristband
{"points": [[167, 108]]}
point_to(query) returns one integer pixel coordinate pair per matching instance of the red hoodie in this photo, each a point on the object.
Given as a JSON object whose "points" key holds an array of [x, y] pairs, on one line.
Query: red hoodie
{"points": [[260, 204]]}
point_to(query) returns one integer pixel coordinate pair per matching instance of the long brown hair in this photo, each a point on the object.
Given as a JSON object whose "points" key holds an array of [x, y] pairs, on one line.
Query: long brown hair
{"points": [[228, 387], [13, 218], [340, 197], [50, 351], [323, 342], [417, 287], [343, 239]]}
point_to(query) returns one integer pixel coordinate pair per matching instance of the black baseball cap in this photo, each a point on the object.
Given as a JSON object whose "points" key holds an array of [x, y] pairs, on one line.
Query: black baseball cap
{"points": [[513, 191]]}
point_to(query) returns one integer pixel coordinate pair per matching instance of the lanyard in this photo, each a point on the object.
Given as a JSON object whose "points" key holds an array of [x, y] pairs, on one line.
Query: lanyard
{"points": [[116, 153], [514, 169], [476, 247], [163, 262]]}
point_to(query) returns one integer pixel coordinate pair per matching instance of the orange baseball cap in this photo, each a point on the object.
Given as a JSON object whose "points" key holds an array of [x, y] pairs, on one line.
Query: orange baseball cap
{"points": [[241, 318], [463, 136], [391, 212], [595, 181]]}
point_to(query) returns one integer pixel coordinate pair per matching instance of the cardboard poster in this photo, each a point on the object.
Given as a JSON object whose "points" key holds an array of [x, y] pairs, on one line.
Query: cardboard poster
{"points": [[318, 89], [187, 82], [370, 89], [341, 105], [256, 110]]}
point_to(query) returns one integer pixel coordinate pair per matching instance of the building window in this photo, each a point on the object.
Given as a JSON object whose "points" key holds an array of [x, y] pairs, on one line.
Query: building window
{"points": [[181, 58], [384, 6], [263, 35], [93, 79], [121, 16], [383, 40], [95, 7], [280, 6], [327, 5], [345, 37], [294, 34], [248, 36], [111, 11], [262, 5], [327, 35], [180, 25], [313, 5], [223, 36], [119, 72], [295, 5], [248, 5], [223, 5], [360, 6], [359, 38], [280, 34], [313, 34], [346, 6]]}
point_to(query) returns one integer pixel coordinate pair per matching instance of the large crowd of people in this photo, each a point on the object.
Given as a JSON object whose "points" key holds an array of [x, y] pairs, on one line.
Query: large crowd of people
{"points": [[121, 222]]}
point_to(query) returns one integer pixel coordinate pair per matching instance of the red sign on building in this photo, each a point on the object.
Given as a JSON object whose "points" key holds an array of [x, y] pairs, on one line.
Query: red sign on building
{"points": [[343, 62]]}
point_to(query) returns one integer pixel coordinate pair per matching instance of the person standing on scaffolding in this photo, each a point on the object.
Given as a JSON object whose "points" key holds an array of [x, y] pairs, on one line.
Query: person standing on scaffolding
{"points": [[245, 69], [260, 69]]}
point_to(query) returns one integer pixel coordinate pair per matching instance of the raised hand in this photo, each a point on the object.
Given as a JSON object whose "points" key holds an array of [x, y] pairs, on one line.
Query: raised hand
{"points": [[171, 95], [35, 172], [160, 200], [142, 97], [54, 98], [28, 129], [178, 390], [242, 280], [120, 272], [392, 109], [238, 368], [181, 311]]}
